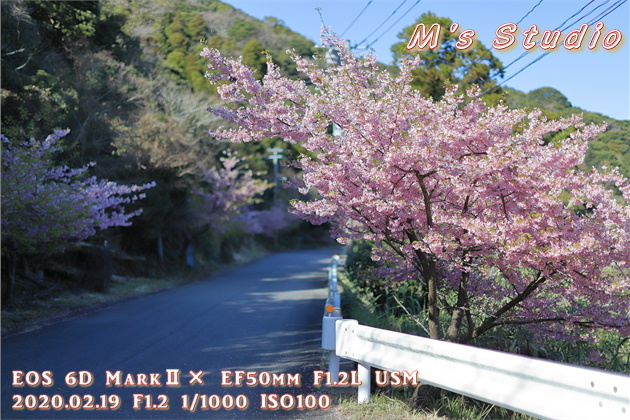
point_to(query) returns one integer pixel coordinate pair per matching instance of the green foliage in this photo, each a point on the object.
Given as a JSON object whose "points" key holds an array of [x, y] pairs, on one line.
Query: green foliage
{"points": [[446, 65], [611, 147], [220, 7], [196, 27], [66, 20], [175, 27], [422, 403], [177, 41], [178, 35], [274, 21], [175, 62], [554, 100], [242, 29], [399, 300], [302, 46], [254, 56], [546, 98], [359, 260]]}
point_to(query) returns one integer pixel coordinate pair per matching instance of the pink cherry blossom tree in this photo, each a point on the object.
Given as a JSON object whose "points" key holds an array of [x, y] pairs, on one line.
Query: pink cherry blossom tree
{"points": [[500, 225], [224, 195], [46, 208]]}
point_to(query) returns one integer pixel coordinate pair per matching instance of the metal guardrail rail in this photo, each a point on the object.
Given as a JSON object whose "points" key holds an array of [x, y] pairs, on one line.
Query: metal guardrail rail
{"points": [[539, 388]]}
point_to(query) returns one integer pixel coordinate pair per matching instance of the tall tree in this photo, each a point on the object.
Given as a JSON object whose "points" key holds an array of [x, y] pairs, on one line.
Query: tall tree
{"points": [[67, 19], [254, 57], [498, 225], [446, 65]]}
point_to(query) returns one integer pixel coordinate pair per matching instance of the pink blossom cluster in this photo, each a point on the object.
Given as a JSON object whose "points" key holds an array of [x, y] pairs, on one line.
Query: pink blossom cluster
{"points": [[265, 222], [523, 234], [46, 207], [225, 194]]}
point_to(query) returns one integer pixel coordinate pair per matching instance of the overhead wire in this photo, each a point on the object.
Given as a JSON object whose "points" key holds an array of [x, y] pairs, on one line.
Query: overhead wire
{"points": [[526, 53], [530, 10], [357, 18], [613, 7], [382, 23], [576, 13], [605, 13], [394, 24]]}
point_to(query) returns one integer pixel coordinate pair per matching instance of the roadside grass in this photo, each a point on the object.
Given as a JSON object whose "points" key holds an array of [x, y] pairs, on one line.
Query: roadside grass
{"points": [[25, 315], [404, 404], [382, 407]]}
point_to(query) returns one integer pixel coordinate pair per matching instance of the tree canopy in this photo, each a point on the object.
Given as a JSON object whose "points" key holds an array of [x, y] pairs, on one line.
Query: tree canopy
{"points": [[446, 65]]}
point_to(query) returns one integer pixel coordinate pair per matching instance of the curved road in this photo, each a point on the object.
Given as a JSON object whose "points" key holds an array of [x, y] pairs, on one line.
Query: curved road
{"points": [[264, 317]]}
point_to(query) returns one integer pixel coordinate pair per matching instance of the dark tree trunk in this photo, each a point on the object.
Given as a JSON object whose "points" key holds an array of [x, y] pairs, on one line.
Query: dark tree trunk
{"points": [[9, 286], [432, 300]]}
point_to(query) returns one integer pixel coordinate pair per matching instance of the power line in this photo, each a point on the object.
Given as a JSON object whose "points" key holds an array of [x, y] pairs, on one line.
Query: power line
{"points": [[394, 24], [613, 7], [531, 10], [356, 18], [383, 23], [526, 53], [568, 26], [601, 16], [584, 7]]}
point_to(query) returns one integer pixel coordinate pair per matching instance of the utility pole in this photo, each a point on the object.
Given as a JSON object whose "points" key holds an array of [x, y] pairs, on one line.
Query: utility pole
{"points": [[275, 156], [332, 57]]}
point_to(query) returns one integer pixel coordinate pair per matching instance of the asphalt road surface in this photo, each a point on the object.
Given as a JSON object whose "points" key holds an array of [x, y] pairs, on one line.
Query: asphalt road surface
{"points": [[166, 352]]}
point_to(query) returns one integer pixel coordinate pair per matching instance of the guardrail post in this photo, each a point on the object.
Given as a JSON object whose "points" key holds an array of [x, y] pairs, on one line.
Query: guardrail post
{"points": [[364, 379], [333, 288], [331, 315], [333, 366], [329, 339]]}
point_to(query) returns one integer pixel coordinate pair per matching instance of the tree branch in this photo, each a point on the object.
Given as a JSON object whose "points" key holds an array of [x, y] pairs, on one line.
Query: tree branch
{"points": [[490, 322]]}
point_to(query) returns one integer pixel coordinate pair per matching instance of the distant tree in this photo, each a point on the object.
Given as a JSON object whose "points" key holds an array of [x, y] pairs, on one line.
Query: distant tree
{"points": [[178, 41], [67, 19], [266, 222], [611, 149], [551, 98], [254, 57], [446, 65], [196, 27], [224, 194], [176, 61], [301, 46], [176, 26], [242, 29], [274, 21]]}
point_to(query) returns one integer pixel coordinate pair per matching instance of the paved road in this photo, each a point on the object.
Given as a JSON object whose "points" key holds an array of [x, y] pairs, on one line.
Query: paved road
{"points": [[264, 317]]}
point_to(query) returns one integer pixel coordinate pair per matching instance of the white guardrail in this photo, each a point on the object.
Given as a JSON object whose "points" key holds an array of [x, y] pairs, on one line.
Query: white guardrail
{"points": [[539, 388]]}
